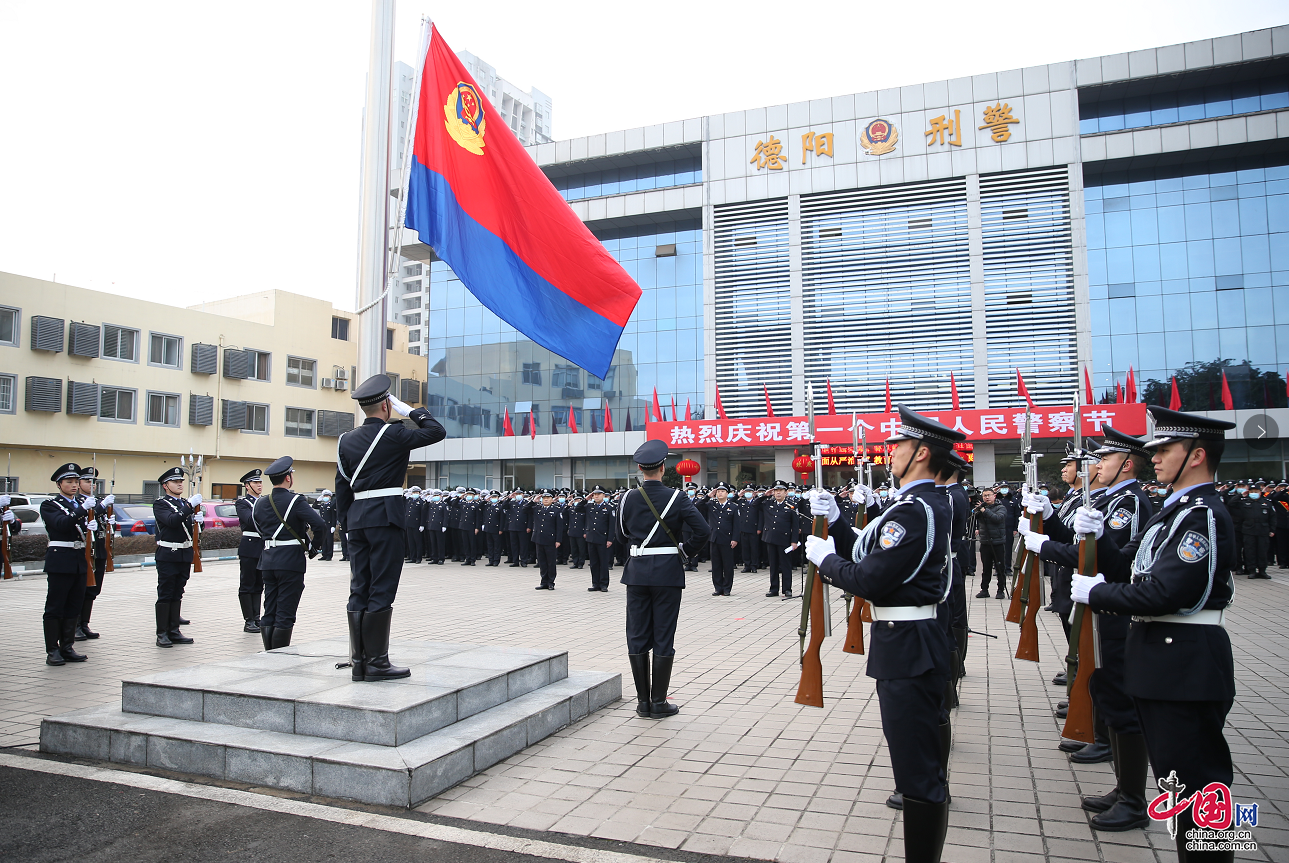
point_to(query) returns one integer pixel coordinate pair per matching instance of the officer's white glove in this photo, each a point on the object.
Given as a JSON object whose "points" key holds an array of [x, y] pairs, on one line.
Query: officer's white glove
{"points": [[817, 549], [1038, 505], [109, 500], [1022, 526], [398, 407], [92, 525], [822, 503], [89, 503], [111, 519], [1081, 588], [1034, 541], [5, 500], [420, 529], [863, 496], [444, 529], [8, 516], [195, 500], [1089, 521], [200, 518]]}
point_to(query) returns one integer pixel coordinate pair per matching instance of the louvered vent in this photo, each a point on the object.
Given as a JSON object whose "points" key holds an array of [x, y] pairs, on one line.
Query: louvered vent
{"points": [[46, 333], [886, 293], [205, 360], [236, 364], [753, 306], [1029, 285], [411, 391], [82, 398], [334, 423], [232, 414], [85, 339], [201, 410], [425, 393], [45, 394]]}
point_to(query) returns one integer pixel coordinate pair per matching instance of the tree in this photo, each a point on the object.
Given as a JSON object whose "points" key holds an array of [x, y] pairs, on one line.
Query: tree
{"points": [[1200, 386]]}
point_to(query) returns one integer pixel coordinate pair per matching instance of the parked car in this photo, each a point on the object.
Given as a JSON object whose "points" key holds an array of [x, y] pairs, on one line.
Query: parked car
{"points": [[134, 519], [26, 508], [220, 513]]}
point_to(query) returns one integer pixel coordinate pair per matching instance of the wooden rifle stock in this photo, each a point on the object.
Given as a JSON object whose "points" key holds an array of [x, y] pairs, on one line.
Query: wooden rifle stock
{"points": [[107, 546], [855, 621], [810, 691], [196, 546], [1020, 555], [4, 545], [1031, 598], [1079, 663], [89, 551]]}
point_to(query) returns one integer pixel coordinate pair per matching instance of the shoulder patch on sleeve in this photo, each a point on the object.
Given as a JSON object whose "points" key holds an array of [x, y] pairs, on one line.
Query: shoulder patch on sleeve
{"points": [[1193, 547], [891, 534], [1120, 518]]}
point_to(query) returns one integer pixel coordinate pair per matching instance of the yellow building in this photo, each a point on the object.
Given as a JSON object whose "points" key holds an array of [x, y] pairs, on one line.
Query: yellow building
{"points": [[241, 381]]}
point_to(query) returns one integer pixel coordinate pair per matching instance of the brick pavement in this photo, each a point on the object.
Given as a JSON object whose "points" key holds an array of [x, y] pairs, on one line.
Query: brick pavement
{"points": [[742, 770]]}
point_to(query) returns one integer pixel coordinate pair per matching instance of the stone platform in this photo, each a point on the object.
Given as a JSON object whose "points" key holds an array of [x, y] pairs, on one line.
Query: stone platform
{"points": [[290, 719]]}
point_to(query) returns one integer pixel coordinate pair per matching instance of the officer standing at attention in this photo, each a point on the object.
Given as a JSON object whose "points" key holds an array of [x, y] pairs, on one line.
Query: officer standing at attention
{"points": [[327, 511], [371, 467], [517, 527], [1175, 581], [67, 520], [1257, 524], [599, 539], [650, 522], [251, 583], [494, 527], [898, 564], [105, 519], [547, 535], [434, 518], [781, 533], [577, 530], [283, 518], [723, 523], [175, 518], [412, 523], [749, 512]]}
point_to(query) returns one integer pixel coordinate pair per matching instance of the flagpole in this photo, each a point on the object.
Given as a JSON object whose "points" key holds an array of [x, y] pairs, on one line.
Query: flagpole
{"points": [[409, 138]]}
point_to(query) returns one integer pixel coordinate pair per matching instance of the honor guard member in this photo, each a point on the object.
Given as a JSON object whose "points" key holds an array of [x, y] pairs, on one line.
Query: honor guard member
{"points": [[434, 517], [250, 584], [103, 516], [67, 520], [283, 519], [494, 527], [958, 548], [517, 527], [724, 526], [650, 522], [1175, 581], [175, 521], [371, 465], [898, 564], [599, 538], [781, 532], [547, 534], [1061, 604], [327, 511]]}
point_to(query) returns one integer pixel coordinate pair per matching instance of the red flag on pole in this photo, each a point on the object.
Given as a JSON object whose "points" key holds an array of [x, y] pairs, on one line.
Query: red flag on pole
{"points": [[1023, 390], [1118, 393], [1228, 403], [953, 391], [572, 421], [686, 410], [1175, 400], [673, 409], [1130, 388], [532, 426], [507, 429], [888, 395], [1087, 385], [720, 408], [657, 408], [608, 416], [769, 408], [832, 408]]}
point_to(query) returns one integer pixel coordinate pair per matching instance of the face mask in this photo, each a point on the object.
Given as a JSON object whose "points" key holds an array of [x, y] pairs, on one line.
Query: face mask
{"points": [[689, 493], [1254, 495], [884, 493], [1003, 492], [748, 495], [435, 498], [1242, 490], [1044, 492], [561, 500]]}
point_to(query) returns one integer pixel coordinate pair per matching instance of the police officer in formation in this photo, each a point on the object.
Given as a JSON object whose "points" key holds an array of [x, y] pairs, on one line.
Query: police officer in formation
{"points": [[177, 517], [492, 527], [250, 586], [547, 533], [68, 520], [434, 526], [600, 518], [577, 531], [105, 519], [371, 466], [725, 531], [781, 532], [899, 564], [467, 524], [412, 523], [1255, 515], [650, 523], [517, 511], [327, 511], [750, 540], [284, 520], [700, 503]]}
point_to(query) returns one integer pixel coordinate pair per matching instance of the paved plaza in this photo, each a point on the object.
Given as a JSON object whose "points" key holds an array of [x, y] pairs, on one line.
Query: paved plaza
{"points": [[742, 770]]}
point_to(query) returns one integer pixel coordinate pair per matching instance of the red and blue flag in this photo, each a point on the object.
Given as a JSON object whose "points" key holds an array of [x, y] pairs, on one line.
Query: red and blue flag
{"points": [[480, 201]]}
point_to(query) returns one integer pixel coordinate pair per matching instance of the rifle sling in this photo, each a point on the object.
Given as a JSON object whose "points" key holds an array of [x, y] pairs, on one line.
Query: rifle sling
{"points": [[288, 527], [653, 509]]}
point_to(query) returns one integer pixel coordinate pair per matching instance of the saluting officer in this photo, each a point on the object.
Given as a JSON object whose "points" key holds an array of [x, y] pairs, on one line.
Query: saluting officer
{"points": [[412, 523], [781, 532], [104, 518], [577, 530], [175, 519], [723, 522], [67, 520], [599, 538], [434, 518], [283, 518], [650, 522], [547, 534], [749, 511], [517, 526], [1175, 581], [371, 466], [493, 527], [898, 564], [250, 584]]}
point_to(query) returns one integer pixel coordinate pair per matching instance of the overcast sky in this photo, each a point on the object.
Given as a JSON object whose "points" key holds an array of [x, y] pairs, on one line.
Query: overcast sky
{"points": [[177, 151]]}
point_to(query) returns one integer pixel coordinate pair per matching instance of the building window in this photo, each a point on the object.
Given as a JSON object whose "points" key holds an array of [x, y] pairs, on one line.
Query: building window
{"points": [[116, 405], [414, 335], [389, 340], [566, 376], [257, 419], [299, 422], [8, 386], [9, 326], [151, 489], [412, 320], [340, 329], [165, 351], [163, 410], [533, 374], [412, 270], [257, 365], [411, 287], [301, 372], [414, 350], [120, 343]]}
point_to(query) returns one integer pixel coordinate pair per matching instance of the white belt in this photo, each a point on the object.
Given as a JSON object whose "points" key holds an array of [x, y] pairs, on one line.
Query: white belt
{"points": [[377, 492], [65, 543], [174, 545], [903, 612], [279, 543], [637, 551], [250, 533], [1204, 617]]}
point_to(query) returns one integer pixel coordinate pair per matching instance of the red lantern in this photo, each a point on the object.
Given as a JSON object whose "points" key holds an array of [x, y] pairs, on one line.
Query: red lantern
{"points": [[803, 464], [688, 468]]}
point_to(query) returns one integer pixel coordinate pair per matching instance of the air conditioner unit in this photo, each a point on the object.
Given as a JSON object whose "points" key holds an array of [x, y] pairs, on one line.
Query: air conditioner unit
{"points": [[342, 374], [328, 383], [341, 384]]}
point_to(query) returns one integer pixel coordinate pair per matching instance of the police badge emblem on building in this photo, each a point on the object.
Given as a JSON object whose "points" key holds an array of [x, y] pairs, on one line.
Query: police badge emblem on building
{"points": [[464, 117], [879, 137], [1193, 547]]}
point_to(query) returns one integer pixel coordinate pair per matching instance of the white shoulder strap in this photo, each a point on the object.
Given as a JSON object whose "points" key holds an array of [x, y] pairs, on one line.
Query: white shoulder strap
{"points": [[658, 521], [353, 479], [287, 514]]}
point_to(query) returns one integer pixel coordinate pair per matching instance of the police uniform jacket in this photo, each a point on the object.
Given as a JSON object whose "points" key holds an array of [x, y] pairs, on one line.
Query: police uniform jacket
{"points": [[1257, 517], [467, 516], [434, 515], [780, 524], [64, 522], [517, 514], [174, 517], [101, 514], [899, 560], [1281, 503], [1127, 510], [1179, 563], [282, 551], [386, 468], [549, 525], [960, 507], [599, 522], [636, 521], [494, 518], [749, 514], [1062, 604], [577, 519], [725, 522], [328, 512], [412, 512], [250, 546]]}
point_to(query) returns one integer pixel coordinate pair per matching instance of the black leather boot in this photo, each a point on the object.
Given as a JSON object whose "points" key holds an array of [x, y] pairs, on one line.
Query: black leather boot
{"points": [[950, 689], [1059, 679], [266, 634], [163, 624], [946, 744], [1099, 750], [67, 641], [376, 647], [659, 708], [356, 662], [895, 801], [1105, 801], [177, 637], [960, 636], [53, 631], [248, 612], [83, 632], [1129, 811], [282, 636], [640, 674], [925, 826]]}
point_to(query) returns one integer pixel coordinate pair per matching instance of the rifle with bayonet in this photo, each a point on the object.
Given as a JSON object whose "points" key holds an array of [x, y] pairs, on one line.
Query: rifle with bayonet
{"points": [[4, 525], [855, 614], [1078, 716], [193, 468], [111, 516], [89, 534], [814, 596], [1020, 554], [1031, 593]]}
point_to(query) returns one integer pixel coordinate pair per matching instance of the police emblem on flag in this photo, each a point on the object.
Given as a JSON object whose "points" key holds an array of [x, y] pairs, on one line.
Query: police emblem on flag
{"points": [[1193, 547], [464, 117], [1120, 519], [891, 535]]}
